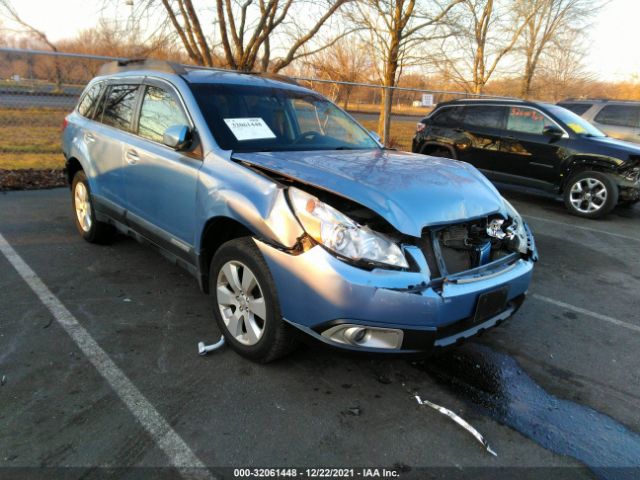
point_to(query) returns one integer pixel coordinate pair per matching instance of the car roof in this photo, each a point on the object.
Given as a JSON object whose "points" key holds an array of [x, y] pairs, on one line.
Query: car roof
{"points": [[195, 75], [493, 101], [599, 100]]}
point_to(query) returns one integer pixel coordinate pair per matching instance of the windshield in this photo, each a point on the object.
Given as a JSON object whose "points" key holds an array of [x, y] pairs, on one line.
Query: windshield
{"points": [[576, 123], [251, 119]]}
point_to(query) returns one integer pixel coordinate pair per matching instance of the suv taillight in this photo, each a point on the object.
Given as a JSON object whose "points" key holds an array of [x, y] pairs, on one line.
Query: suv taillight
{"points": [[65, 122]]}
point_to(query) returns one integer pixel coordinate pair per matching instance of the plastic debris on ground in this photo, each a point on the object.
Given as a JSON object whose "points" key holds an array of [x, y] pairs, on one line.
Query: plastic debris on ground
{"points": [[459, 420]]}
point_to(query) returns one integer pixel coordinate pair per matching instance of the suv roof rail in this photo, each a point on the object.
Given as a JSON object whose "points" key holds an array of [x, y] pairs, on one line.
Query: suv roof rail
{"points": [[598, 100], [141, 64], [129, 64]]}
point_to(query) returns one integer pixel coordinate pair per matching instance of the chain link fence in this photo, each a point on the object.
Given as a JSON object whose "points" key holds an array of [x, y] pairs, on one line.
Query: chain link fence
{"points": [[39, 88]]}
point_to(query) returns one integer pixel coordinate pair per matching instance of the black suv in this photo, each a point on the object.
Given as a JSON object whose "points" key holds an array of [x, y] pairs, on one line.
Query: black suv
{"points": [[535, 145]]}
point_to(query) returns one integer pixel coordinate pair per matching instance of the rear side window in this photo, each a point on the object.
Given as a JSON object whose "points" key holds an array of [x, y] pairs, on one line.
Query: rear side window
{"points": [[119, 106], [484, 116], [577, 108], [159, 111], [87, 104], [447, 116], [526, 120], [619, 115]]}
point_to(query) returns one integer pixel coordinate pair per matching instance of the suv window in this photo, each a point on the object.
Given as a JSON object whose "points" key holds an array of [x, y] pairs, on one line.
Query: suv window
{"points": [[484, 116], [577, 108], [119, 105], [619, 115], [448, 116], [159, 111], [89, 100], [527, 120]]}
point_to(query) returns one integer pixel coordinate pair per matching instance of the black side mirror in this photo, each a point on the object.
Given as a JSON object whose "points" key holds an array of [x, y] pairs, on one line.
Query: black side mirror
{"points": [[177, 137], [552, 131]]}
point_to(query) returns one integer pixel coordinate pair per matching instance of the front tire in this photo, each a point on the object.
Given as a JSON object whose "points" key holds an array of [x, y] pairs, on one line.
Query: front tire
{"points": [[246, 306], [88, 226], [590, 194]]}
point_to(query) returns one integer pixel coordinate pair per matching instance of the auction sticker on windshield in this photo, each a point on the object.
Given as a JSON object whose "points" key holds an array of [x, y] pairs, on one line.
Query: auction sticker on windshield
{"points": [[249, 128]]}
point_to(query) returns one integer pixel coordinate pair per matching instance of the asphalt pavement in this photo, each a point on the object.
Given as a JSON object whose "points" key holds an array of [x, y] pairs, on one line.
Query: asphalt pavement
{"points": [[65, 408]]}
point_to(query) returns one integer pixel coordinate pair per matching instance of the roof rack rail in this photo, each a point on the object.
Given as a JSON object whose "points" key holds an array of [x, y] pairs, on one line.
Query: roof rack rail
{"points": [[178, 68], [141, 64]]}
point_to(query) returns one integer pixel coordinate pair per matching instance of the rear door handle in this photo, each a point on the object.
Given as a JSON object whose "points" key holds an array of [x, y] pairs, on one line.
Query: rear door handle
{"points": [[132, 157], [89, 137]]}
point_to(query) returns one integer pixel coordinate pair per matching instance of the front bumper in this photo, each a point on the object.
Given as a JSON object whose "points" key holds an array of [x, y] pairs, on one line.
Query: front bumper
{"points": [[317, 291]]}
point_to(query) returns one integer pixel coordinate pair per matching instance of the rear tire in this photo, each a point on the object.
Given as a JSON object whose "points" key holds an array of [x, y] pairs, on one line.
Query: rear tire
{"points": [[590, 194], [88, 226], [246, 306]]}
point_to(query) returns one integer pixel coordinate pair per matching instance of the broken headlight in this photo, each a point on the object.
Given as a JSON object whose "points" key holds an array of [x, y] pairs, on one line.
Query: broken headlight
{"points": [[340, 234], [516, 229]]}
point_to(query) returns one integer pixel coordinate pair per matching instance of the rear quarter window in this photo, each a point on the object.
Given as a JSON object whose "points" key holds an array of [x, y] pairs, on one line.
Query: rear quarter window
{"points": [[89, 100], [619, 115]]}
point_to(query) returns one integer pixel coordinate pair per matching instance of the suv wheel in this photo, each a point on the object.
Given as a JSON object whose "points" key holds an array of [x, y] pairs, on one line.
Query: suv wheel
{"points": [[88, 227], [246, 306], [590, 194]]}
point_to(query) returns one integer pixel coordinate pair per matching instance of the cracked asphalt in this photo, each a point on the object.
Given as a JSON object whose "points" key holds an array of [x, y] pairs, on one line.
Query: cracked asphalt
{"points": [[315, 408]]}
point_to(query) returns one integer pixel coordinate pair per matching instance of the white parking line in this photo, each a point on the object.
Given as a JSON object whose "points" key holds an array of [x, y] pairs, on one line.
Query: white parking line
{"points": [[584, 311], [595, 230], [180, 455]]}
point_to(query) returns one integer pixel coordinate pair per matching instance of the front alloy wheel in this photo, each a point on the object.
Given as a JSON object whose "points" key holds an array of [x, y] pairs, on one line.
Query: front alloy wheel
{"points": [[247, 308], [241, 302], [591, 194]]}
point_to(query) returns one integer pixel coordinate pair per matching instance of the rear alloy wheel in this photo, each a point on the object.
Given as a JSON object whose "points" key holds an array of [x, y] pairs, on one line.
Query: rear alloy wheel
{"points": [[590, 194], [85, 219], [246, 306]]}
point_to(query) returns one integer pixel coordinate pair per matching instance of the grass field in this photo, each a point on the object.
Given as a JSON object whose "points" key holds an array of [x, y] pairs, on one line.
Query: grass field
{"points": [[30, 138], [402, 132], [396, 109]]}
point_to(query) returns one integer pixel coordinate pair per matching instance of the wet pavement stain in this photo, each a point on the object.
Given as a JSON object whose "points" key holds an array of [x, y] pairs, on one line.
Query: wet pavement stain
{"points": [[499, 388]]}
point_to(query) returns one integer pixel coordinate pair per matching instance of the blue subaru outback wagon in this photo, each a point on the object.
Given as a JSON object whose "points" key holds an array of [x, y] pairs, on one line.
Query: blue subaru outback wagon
{"points": [[290, 214]]}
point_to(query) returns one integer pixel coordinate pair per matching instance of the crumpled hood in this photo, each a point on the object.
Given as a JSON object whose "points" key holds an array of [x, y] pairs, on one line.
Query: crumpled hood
{"points": [[410, 191]]}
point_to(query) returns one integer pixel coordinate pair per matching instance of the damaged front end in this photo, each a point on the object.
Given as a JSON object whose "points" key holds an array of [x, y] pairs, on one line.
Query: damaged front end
{"points": [[361, 276], [463, 249]]}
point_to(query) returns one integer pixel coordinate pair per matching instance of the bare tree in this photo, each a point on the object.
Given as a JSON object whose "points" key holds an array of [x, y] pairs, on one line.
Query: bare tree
{"points": [[548, 20], [395, 28], [246, 29], [562, 70], [485, 32], [344, 62], [8, 11]]}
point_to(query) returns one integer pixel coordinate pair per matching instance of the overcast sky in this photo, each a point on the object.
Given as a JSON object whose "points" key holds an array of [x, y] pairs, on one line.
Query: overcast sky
{"points": [[613, 41]]}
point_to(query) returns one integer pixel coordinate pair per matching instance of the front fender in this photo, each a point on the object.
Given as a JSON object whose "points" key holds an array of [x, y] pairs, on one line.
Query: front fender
{"points": [[255, 201]]}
